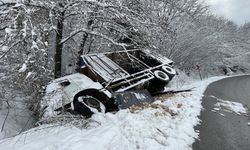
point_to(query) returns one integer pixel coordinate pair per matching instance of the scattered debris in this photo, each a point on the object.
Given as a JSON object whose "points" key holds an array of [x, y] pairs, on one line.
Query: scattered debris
{"points": [[179, 105], [128, 98], [163, 97], [142, 106]]}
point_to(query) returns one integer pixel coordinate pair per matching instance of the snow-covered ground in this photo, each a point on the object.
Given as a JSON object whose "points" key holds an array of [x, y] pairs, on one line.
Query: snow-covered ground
{"points": [[165, 124], [14, 118]]}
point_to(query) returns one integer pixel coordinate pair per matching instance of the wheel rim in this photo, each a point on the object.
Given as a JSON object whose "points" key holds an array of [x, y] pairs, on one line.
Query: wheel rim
{"points": [[93, 103], [162, 75]]}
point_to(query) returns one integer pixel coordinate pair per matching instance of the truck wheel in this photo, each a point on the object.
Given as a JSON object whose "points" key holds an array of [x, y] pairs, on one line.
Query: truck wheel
{"points": [[92, 103], [88, 105], [169, 71], [162, 76]]}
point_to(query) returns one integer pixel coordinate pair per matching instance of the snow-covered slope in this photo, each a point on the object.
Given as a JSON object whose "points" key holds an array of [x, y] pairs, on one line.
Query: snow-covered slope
{"points": [[14, 118], [166, 124]]}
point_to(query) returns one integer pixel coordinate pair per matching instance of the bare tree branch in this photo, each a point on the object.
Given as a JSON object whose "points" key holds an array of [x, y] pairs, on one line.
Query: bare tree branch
{"points": [[5, 119], [10, 48], [92, 33]]}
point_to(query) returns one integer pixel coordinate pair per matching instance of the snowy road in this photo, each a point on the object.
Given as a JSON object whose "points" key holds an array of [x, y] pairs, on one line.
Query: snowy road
{"points": [[225, 127]]}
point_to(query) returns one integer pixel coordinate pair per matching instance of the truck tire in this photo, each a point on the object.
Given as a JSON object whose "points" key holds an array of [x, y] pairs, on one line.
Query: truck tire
{"points": [[80, 108], [93, 103], [88, 105], [169, 71], [161, 76]]}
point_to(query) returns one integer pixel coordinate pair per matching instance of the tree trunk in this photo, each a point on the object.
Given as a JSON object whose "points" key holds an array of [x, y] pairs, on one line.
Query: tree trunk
{"points": [[59, 46], [82, 45], [84, 38]]}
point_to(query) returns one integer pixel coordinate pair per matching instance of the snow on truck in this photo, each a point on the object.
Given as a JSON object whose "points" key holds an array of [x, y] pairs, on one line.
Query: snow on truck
{"points": [[109, 81]]}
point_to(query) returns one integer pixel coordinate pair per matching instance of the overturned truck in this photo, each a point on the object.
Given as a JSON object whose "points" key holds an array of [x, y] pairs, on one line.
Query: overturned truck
{"points": [[109, 81]]}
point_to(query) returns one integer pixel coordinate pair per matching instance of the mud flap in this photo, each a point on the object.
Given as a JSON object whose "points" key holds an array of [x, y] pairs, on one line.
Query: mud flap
{"points": [[128, 98]]}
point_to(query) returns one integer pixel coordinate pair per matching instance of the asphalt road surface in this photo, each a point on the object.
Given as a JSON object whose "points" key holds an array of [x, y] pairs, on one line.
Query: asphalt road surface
{"points": [[231, 131]]}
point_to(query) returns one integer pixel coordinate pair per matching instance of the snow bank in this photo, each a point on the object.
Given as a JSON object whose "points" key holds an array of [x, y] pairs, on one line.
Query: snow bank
{"points": [[147, 129]]}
